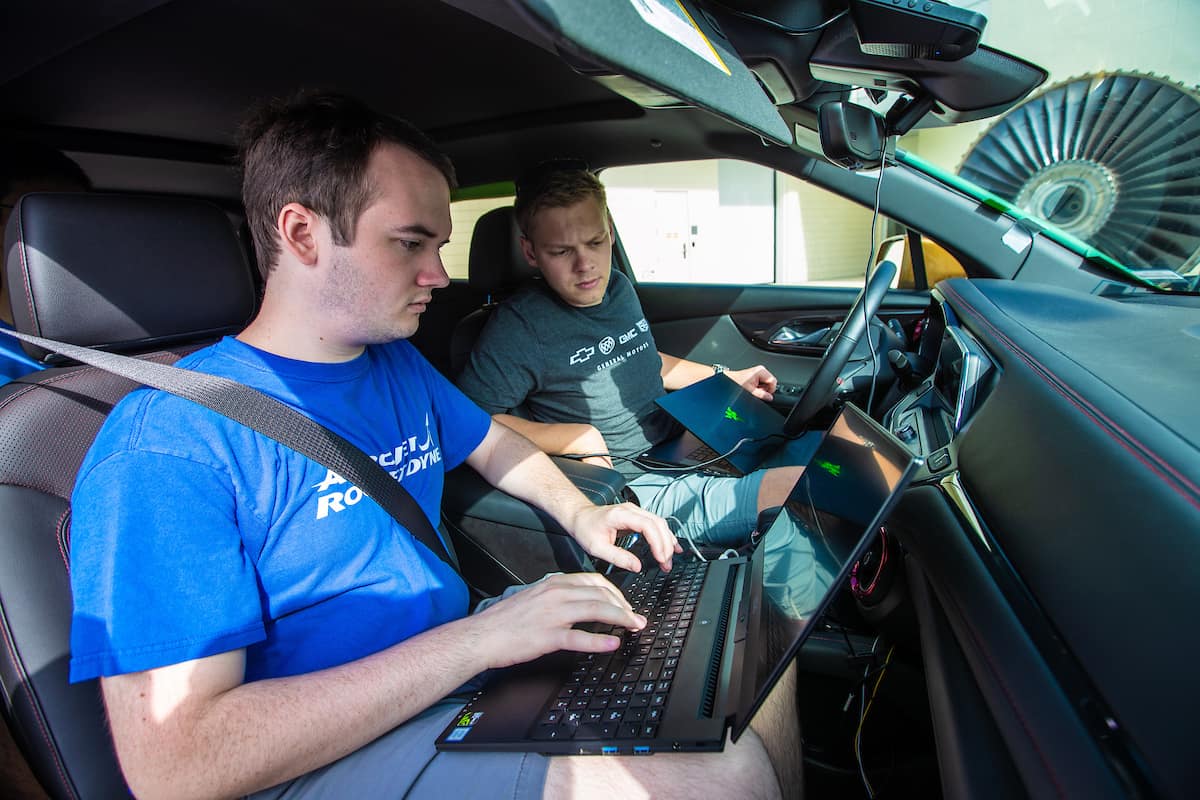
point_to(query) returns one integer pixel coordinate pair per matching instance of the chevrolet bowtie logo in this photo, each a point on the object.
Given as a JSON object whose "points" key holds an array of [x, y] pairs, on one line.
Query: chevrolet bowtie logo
{"points": [[582, 355], [731, 414]]}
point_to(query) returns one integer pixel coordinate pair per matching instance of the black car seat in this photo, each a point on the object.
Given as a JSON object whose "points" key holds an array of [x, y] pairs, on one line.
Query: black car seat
{"points": [[495, 266], [152, 277]]}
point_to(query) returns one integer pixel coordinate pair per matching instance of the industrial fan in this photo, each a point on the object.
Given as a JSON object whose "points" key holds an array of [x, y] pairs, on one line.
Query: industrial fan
{"points": [[1113, 159]]}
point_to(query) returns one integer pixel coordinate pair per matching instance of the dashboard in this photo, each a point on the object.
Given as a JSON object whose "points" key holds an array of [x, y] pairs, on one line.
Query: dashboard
{"points": [[1059, 540]]}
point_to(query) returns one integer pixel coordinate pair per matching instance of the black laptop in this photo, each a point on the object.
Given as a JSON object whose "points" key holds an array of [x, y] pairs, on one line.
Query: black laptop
{"points": [[727, 430], [721, 632]]}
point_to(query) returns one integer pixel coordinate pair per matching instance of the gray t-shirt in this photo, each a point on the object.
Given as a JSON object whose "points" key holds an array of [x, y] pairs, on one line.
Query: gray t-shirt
{"points": [[557, 363]]}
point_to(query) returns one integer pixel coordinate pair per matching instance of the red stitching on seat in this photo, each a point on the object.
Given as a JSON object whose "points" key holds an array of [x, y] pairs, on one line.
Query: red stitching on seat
{"points": [[1139, 451], [25, 265], [37, 711], [61, 535], [41, 382]]}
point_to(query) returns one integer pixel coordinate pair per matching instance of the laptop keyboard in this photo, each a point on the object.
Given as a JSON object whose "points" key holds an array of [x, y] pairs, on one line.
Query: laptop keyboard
{"points": [[703, 453], [622, 695]]}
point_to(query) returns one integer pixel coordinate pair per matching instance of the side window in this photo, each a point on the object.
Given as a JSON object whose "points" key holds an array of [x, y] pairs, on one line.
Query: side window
{"points": [[464, 213], [726, 221]]}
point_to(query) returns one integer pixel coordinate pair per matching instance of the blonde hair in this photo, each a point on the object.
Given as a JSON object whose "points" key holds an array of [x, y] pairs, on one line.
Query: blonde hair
{"points": [[555, 188]]}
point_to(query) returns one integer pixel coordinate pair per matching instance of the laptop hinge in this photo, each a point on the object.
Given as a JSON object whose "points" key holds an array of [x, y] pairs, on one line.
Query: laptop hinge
{"points": [[708, 698]]}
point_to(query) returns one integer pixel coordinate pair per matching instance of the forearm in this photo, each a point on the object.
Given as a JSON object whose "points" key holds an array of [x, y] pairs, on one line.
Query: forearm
{"points": [[679, 372], [255, 735], [556, 438], [515, 465]]}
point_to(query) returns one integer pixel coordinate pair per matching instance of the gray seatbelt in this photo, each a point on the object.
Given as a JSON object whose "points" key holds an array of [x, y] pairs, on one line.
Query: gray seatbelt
{"points": [[272, 419]]}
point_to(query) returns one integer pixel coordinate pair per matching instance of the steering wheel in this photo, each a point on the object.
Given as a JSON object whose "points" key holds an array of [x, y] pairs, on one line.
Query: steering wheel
{"points": [[821, 387]]}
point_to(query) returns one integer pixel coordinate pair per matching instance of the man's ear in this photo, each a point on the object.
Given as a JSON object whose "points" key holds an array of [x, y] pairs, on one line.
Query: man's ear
{"points": [[527, 251], [297, 229]]}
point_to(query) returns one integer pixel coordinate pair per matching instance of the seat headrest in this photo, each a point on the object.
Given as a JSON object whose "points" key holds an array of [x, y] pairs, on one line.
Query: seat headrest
{"points": [[496, 262], [124, 272]]}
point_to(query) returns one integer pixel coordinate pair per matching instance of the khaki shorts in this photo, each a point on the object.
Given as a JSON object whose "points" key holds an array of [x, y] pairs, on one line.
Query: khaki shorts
{"points": [[403, 763], [710, 510]]}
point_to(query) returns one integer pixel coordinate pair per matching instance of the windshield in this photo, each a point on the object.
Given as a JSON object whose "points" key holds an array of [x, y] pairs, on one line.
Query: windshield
{"points": [[1105, 156]]}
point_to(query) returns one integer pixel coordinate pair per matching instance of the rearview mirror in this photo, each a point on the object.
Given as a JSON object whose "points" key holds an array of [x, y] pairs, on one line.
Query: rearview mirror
{"points": [[852, 136]]}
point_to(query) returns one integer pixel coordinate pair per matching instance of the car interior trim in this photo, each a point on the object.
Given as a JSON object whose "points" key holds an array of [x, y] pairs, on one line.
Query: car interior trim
{"points": [[973, 757], [952, 485], [1020, 687]]}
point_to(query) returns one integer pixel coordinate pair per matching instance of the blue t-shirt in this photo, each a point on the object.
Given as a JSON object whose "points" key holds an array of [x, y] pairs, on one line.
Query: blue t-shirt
{"points": [[14, 362], [193, 535]]}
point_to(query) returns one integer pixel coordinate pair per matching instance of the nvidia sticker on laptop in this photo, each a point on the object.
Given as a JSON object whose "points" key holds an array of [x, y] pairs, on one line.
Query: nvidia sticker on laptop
{"points": [[463, 726]]}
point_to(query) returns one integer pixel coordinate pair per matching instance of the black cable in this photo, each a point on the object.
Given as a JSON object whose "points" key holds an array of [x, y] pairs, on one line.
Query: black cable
{"points": [[635, 460], [870, 263], [825, 766], [711, 461], [849, 645]]}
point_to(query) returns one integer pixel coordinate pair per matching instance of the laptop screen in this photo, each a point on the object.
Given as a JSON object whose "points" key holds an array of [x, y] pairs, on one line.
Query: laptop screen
{"points": [[830, 518]]}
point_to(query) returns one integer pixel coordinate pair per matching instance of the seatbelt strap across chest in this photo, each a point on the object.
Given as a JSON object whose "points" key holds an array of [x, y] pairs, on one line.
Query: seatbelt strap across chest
{"points": [[273, 419]]}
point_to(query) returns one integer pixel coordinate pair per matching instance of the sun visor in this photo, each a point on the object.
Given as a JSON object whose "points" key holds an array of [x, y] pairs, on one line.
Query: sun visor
{"points": [[668, 45]]}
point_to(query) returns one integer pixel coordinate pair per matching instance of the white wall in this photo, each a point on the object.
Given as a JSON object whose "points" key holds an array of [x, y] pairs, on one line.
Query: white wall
{"points": [[697, 221], [822, 237]]}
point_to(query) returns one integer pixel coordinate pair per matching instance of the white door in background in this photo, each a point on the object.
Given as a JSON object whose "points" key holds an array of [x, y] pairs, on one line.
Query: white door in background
{"points": [[672, 238]]}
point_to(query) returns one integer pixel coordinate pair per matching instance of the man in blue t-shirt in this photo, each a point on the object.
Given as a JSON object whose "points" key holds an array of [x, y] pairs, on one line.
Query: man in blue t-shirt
{"points": [[256, 624]]}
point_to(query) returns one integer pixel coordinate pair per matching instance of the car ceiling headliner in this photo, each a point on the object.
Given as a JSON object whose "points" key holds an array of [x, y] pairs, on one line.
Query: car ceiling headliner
{"points": [[174, 78]]}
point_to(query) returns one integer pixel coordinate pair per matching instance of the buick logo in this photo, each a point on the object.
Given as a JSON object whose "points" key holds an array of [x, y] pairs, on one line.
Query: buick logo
{"points": [[607, 344]]}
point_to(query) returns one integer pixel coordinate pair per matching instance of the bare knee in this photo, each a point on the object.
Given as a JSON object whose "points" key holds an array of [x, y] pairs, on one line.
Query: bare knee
{"points": [[776, 485], [741, 770]]}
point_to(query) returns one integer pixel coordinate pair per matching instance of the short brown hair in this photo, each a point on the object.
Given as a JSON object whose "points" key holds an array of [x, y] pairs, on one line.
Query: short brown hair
{"points": [[313, 148], [556, 185]]}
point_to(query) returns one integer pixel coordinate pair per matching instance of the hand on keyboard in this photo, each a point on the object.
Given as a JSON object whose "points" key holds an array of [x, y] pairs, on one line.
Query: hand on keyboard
{"points": [[543, 618], [597, 529], [623, 694], [632, 542]]}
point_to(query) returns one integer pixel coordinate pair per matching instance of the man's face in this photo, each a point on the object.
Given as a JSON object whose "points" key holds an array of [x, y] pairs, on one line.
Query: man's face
{"points": [[379, 286], [572, 247]]}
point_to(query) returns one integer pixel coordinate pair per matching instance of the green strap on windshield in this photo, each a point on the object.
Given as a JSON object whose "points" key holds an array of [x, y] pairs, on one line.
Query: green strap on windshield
{"points": [[1090, 254]]}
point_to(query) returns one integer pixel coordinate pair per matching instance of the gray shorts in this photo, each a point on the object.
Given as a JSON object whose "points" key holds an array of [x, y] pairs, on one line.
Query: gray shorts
{"points": [[710, 510], [404, 764]]}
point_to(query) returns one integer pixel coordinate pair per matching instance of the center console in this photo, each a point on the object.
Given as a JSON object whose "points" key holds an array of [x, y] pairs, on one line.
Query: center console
{"points": [[957, 372], [501, 541]]}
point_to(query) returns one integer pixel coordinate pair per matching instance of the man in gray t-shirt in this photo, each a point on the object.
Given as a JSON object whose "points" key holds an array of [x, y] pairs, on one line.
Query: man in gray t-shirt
{"points": [[574, 353]]}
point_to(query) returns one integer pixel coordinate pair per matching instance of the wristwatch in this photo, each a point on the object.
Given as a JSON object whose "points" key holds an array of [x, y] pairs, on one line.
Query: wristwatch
{"points": [[719, 368]]}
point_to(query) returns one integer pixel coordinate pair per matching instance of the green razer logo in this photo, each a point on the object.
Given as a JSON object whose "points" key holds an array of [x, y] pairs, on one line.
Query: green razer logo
{"points": [[733, 415], [833, 469]]}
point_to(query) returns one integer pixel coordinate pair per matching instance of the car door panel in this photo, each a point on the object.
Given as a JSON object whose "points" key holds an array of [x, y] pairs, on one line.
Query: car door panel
{"points": [[735, 325]]}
